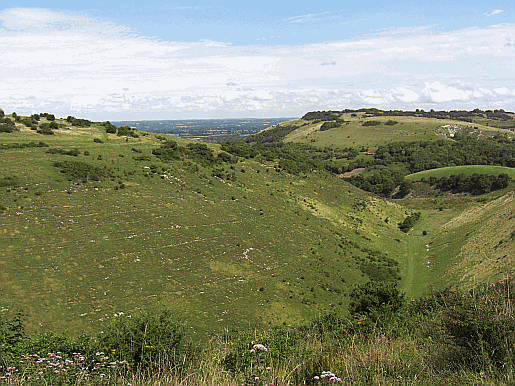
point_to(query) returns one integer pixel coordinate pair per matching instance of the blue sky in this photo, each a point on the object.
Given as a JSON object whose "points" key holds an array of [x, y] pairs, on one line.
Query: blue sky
{"points": [[199, 59]]}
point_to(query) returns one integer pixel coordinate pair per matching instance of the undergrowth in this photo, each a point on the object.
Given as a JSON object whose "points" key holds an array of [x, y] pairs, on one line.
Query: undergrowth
{"points": [[447, 337]]}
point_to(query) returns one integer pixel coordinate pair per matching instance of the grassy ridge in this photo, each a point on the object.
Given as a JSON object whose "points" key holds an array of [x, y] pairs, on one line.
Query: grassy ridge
{"points": [[352, 132], [465, 170]]}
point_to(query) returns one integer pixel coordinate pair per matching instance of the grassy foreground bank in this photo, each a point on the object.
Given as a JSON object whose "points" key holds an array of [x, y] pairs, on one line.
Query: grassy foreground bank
{"points": [[447, 337]]}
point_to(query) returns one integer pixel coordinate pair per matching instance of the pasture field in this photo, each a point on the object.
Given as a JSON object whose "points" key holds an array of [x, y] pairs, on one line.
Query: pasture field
{"points": [[466, 170], [352, 133], [265, 249]]}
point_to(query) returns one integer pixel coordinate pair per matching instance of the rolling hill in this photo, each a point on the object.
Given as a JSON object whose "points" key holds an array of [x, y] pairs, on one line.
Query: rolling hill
{"points": [[98, 222]]}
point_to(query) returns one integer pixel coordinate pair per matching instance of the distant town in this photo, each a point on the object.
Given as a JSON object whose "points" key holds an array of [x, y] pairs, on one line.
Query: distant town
{"points": [[211, 130]]}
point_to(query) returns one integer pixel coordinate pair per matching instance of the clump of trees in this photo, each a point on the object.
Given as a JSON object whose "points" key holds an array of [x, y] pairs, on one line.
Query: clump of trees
{"points": [[321, 116], [78, 122], [72, 152], [5, 146], [474, 184], [332, 124], [110, 128], [390, 122], [7, 125], [371, 123], [409, 221], [380, 180], [199, 152]]}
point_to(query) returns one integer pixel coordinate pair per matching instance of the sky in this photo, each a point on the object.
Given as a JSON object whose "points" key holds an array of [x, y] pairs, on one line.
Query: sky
{"points": [[119, 60]]}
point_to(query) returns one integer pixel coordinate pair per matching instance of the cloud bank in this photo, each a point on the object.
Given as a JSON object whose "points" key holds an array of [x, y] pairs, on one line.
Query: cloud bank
{"points": [[75, 65]]}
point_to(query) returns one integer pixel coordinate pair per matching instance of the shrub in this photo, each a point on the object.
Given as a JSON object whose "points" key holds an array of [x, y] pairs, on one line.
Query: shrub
{"points": [[6, 128], [77, 170], [45, 131], [371, 123], [376, 300], [9, 181], [408, 222], [147, 340], [389, 122], [482, 322]]}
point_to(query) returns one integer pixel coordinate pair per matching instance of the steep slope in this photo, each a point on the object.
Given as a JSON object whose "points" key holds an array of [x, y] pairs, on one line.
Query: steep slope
{"points": [[482, 240], [97, 225]]}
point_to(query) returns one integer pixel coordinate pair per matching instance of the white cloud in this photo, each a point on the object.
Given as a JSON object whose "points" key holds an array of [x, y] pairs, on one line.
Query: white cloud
{"points": [[494, 12], [438, 92], [74, 65], [502, 91], [303, 18], [405, 95]]}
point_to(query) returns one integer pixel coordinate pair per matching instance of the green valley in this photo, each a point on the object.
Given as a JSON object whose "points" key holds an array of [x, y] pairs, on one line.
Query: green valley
{"points": [[277, 229]]}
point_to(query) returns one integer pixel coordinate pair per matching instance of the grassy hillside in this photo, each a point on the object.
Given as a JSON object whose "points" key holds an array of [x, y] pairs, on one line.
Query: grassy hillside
{"points": [[234, 244], [465, 170], [439, 257], [353, 130], [98, 222], [285, 271]]}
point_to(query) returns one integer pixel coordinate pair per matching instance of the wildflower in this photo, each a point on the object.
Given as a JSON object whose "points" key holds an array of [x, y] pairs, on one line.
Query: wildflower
{"points": [[259, 347]]}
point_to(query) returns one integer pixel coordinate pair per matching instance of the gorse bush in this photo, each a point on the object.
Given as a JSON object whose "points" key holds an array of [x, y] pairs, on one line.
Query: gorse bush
{"points": [[82, 171], [408, 222]]}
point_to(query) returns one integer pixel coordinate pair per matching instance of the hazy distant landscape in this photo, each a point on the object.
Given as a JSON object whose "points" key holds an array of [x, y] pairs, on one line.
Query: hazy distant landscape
{"points": [[211, 130]]}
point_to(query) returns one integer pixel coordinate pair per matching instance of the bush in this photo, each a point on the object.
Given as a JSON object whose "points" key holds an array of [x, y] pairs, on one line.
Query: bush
{"points": [[45, 131], [378, 301], [9, 181], [371, 123], [82, 171], [147, 340], [482, 322], [408, 222]]}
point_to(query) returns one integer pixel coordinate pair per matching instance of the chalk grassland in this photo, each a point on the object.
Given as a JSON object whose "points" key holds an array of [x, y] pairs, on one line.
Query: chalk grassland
{"points": [[476, 246], [263, 249], [354, 134], [465, 170], [459, 241], [458, 248]]}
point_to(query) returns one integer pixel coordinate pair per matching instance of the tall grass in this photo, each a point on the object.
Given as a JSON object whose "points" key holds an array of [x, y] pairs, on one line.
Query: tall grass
{"points": [[445, 338]]}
